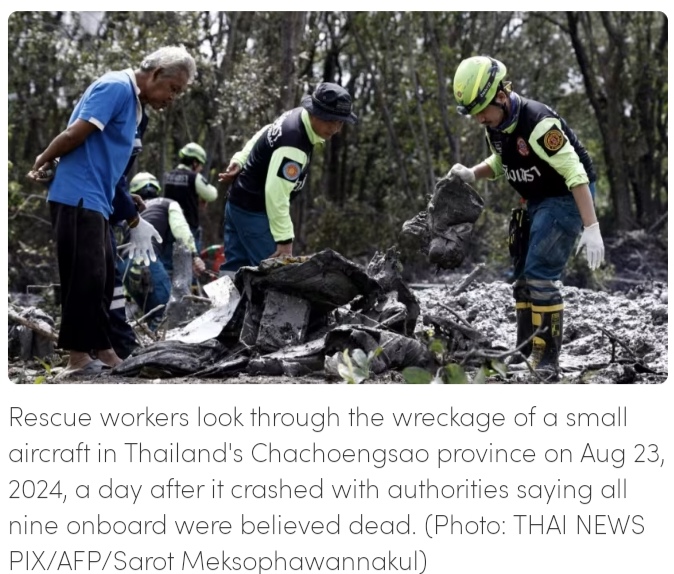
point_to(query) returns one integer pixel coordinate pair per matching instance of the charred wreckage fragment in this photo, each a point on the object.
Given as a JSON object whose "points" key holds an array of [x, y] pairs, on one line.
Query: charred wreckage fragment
{"points": [[295, 312], [443, 230]]}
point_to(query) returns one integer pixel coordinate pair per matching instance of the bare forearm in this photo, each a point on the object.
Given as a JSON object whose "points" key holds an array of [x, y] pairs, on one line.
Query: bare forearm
{"points": [[70, 138], [482, 171], [581, 193]]}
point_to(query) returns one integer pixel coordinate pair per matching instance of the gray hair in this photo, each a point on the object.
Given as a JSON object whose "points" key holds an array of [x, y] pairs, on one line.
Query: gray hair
{"points": [[173, 60]]}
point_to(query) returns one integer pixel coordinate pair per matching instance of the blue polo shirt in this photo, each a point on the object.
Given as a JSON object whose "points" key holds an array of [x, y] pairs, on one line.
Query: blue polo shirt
{"points": [[91, 171]]}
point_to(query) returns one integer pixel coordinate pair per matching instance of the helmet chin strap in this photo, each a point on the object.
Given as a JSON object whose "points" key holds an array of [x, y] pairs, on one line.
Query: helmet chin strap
{"points": [[509, 115]]}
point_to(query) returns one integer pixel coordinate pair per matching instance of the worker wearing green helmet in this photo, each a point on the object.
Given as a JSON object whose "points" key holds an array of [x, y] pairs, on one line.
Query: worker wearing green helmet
{"points": [[145, 185], [150, 286], [186, 185], [542, 158]]}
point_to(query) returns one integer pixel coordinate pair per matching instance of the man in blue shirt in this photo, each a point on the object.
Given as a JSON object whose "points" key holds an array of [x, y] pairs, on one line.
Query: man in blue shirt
{"points": [[125, 207], [94, 150]]}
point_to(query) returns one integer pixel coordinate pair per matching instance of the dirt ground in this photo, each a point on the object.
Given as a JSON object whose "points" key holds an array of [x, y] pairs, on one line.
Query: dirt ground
{"points": [[619, 336]]}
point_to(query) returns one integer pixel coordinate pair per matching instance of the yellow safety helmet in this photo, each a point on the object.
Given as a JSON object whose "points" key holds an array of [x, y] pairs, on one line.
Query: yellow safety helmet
{"points": [[476, 83]]}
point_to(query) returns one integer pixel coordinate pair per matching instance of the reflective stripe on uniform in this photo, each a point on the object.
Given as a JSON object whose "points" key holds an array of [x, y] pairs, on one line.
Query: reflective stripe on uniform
{"points": [[117, 303]]}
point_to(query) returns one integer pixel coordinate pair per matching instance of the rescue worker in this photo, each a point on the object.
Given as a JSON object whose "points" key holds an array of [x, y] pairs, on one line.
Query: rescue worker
{"points": [[547, 165], [186, 185], [151, 286], [271, 170]]}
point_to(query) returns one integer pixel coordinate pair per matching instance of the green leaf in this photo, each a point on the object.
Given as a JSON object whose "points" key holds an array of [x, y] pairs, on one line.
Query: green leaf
{"points": [[417, 376], [345, 372], [46, 366], [480, 377], [360, 358], [455, 375], [39, 380], [436, 346], [360, 375], [374, 354], [500, 368]]}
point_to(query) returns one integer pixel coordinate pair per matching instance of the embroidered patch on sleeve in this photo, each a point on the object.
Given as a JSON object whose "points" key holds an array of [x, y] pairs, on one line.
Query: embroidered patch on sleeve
{"points": [[290, 170], [552, 141]]}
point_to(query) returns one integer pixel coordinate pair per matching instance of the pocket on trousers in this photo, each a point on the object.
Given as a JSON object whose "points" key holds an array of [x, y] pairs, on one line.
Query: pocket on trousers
{"points": [[556, 245]]}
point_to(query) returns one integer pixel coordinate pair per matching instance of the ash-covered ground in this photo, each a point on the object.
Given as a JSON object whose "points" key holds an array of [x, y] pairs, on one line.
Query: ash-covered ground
{"points": [[608, 338], [618, 336]]}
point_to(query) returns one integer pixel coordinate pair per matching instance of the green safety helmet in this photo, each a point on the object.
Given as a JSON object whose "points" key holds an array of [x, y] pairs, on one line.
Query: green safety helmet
{"points": [[476, 82], [193, 151], [145, 184]]}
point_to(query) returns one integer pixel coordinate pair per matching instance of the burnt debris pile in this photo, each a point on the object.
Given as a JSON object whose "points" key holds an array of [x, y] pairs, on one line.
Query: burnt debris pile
{"points": [[294, 313]]}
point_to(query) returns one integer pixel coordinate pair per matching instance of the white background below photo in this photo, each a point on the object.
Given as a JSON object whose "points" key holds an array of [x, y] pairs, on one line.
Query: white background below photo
{"points": [[610, 485]]}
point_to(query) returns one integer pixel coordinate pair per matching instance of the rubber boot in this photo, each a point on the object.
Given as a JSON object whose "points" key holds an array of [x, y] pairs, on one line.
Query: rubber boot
{"points": [[548, 343], [524, 331]]}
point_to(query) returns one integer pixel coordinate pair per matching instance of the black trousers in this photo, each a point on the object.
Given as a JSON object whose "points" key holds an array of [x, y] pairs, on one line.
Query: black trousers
{"points": [[86, 269]]}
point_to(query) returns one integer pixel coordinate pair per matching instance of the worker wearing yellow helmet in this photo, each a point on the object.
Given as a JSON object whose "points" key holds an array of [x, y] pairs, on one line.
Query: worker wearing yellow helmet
{"points": [[542, 158]]}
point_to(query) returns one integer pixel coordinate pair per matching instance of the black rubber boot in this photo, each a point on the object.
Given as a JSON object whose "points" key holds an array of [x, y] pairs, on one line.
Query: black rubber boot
{"points": [[524, 331], [548, 343]]}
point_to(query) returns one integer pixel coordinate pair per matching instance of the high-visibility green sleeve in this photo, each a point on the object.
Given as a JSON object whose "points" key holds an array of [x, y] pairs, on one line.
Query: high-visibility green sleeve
{"points": [[240, 157], [548, 142], [277, 190], [205, 190], [179, 226], [496, 165]]}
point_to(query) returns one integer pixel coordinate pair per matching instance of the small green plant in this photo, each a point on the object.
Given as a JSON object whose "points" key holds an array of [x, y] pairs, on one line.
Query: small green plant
{"points": [[42, 378], [447, 374], [451, 373], [354, 368]]}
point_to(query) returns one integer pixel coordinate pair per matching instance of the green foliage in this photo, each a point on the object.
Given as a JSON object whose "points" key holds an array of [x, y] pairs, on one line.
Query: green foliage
{"points": [[447, 374], [355, 368], [372, 177], [451, 372], [48, 372]]}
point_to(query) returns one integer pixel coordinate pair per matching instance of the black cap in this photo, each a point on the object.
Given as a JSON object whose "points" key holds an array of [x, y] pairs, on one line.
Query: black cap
{"points": [[330, 102]]}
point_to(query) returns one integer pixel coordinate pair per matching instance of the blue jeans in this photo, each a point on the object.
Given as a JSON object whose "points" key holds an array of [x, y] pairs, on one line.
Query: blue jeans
{"points": [[248, 238], [555, 225], [149, 287], [166, 255]]}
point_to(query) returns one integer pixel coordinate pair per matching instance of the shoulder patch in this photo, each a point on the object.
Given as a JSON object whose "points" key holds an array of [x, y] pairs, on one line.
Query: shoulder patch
{"points": [[552, 141], [290, 170], [522, 147]]}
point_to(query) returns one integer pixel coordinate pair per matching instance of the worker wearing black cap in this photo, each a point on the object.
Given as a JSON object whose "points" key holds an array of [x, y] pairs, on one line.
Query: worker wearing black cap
{"points": [[270, 171]]}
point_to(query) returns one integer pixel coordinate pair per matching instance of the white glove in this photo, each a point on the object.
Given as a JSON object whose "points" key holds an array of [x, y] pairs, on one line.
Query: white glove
{"points": [[462, 172], [140, 242], [594, 246]]}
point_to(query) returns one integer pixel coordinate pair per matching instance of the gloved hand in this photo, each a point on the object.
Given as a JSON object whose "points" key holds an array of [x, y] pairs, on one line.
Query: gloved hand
{"points": [[462, 172], [594, 246], [140, 242]]}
